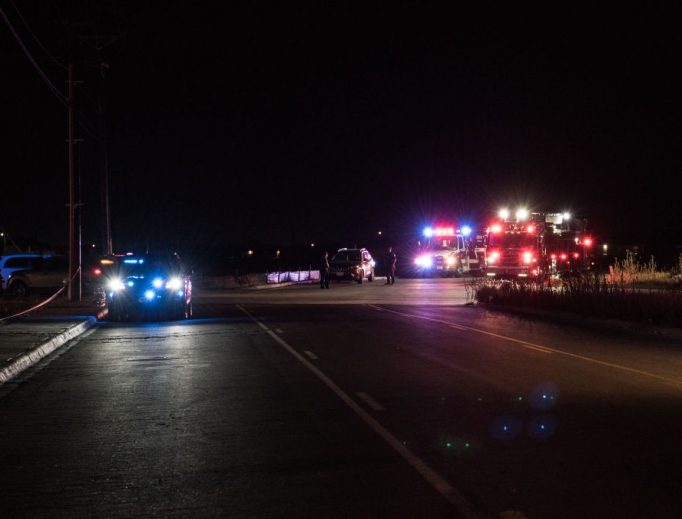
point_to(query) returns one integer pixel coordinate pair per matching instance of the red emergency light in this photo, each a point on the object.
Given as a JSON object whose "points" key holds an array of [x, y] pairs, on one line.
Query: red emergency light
{"points": [[444, 231], [496, 227]]}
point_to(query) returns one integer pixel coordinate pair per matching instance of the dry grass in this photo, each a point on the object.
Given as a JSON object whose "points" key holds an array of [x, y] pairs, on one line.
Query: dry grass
{"points": [[630, 291]]}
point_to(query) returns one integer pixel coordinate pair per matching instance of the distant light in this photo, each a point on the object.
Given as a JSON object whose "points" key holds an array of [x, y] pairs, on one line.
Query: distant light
{"points": [[250, 253], [567, 216], [428, 232], [504, 214], [521, 214], [379, 233], [466, 230], [149, 294]]}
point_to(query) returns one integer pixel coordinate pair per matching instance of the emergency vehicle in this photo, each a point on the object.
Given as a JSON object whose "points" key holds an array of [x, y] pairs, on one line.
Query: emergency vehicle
{"points": [[536, 244], [447, 251]]}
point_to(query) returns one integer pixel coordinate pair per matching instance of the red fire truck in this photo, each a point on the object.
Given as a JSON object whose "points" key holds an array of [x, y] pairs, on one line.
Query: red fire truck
{"points": [[536, 244], [447, 251]]}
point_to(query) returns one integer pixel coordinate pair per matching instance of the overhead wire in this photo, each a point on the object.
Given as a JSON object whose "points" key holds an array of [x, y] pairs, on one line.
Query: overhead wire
{"points": [[28, 28], [64, 100]]}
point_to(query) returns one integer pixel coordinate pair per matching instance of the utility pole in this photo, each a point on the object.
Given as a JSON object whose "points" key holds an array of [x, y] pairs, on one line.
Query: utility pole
{"points": [[100, 42], [75, 245], [71, 188], [107, 248]]}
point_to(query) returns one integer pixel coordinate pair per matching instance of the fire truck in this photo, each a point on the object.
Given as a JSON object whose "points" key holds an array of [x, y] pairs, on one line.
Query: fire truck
{"points": [[447, 251], [536, 245]]}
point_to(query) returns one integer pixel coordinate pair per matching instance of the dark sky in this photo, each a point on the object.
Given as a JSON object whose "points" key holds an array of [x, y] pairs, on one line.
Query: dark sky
{"points": [[333, 121]]}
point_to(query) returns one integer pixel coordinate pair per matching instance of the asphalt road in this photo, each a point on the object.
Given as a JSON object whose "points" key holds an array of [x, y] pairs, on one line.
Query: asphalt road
{"points": [[359, 401]]}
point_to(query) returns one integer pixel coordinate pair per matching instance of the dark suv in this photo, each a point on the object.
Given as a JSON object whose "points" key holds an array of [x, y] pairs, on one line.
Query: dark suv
{"points": [[148, 286], [352, 264]]}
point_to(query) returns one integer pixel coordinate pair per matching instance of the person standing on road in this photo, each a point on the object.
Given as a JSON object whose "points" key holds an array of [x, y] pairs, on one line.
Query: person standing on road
{"points": [[324, 271], [390, 260]]}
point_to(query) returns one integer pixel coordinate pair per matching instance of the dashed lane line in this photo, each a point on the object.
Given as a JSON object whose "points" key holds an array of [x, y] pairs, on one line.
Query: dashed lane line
{"points": [[449, 492]]}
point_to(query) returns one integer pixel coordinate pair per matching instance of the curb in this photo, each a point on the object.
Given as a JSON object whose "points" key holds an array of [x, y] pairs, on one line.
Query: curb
{"points": [[15, 365]]}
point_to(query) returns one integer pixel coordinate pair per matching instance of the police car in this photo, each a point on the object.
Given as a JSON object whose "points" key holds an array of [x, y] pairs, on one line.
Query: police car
{"points": [[148, 287]]}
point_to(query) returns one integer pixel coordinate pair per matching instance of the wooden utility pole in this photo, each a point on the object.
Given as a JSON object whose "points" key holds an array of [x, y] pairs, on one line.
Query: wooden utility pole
{"points": [[100, 42], [107, 245], [71, 189]]}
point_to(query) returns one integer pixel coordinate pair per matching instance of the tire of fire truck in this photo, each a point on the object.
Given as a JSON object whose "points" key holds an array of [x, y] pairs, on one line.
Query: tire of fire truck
{"points": [[361, 276], [371, 276]]}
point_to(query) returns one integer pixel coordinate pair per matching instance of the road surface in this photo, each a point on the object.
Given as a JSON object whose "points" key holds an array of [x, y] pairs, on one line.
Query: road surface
{"points": [[359, 401]]}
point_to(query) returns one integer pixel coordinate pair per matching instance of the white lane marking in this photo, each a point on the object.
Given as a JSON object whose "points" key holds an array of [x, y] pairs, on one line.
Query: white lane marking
{"points": [[370, 401], [311, 355], [281, 332], [432, 477], [541, 348], [458, 327]]}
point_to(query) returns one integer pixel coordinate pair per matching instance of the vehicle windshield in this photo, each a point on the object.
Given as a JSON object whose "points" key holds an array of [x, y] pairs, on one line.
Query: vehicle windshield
{"points": [[146, 266], [347, 256], [512, 240]]}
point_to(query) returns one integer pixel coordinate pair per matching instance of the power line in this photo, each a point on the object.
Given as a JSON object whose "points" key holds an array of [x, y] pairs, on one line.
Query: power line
{"points": [[28, 28], [54, 89]]}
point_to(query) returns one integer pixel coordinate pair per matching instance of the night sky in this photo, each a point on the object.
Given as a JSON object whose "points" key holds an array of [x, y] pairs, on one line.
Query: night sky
{"points": [[331, 121]]}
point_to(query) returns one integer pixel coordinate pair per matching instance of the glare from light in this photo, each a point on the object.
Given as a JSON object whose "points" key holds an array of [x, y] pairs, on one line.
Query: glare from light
{"points": [[116, 284], [174, 283], [157, 283], [504, 214], [424, 261], [521, 214], [466, 230], [149, 295]]}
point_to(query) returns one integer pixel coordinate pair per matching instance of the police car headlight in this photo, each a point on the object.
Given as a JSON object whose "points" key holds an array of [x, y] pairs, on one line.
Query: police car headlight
{"points": [[115, 285], [174, 284]]}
